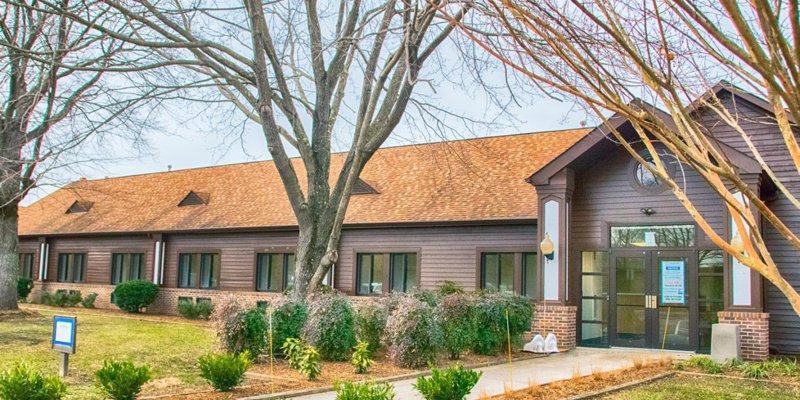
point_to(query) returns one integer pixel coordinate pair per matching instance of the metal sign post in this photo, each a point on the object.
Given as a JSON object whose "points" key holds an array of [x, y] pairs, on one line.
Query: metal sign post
{"points": [[64, 330]]}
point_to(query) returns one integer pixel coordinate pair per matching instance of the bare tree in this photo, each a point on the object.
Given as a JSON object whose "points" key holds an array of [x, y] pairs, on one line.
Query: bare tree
{"points": [[304, 71], [57, 94], [635, 59]]}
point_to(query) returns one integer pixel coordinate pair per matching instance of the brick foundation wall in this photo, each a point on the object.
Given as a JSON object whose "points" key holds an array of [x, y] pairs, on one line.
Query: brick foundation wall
{"points": [[753, 332], [558, 319], [166, 302]]}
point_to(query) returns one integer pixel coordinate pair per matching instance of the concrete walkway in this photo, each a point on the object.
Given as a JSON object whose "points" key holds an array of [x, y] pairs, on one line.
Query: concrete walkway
{"points": [[553, 368]]}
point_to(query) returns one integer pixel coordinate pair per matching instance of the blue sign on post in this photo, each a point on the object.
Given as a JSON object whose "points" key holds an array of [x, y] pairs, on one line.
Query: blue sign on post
{"points": [[673, 282], [64, 330]]}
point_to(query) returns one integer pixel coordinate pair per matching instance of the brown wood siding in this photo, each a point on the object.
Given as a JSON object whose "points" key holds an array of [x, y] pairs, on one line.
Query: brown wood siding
{"points": [[98, 250], [237, 255], [445, 253]]}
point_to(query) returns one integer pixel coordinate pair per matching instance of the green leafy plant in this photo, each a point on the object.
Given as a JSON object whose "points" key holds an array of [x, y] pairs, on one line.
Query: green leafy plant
{"points": [[288, 319], [457, 318], [361, 358], [21, 382], [310, 364], [292, 350], [73, 298], [331, 326], [371, 319], [198, 310], [782, 366], [204, 309], [88, 301], [363, 391], [133, 296], [755, 370], [413, 334], [224, 371], [61, 298], [121, 380], [453, 383], [490, 309], [24, 288], [704, 364], [238, 328], [449, 287]]}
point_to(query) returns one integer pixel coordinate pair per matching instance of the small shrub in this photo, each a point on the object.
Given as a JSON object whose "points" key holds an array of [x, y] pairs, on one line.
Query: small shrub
{"points": [[21, 382], [704, 364], [453, 383], [449, 287], [224, 371], [121, 380], [288, 319], [363, 391], [187, 309], [204, 309], [61, 298], [302, 357], [782, 367], [133, 296], [413, 334], [331, 326], [455, 311], [426, 296], [755, 370], [24, 288], [88, 301], [370, 323], [361, 358], [239, 329], [73, 298]]}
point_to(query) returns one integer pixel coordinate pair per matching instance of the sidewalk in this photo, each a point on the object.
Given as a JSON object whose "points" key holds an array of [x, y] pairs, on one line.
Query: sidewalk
{"points": [[538, 370]]}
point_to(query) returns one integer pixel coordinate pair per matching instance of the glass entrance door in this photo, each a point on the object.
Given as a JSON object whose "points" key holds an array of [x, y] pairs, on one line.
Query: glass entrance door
{"points": [[652, 300]]}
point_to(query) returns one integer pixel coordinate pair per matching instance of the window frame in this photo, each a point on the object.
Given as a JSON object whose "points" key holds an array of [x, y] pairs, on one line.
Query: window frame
{"points": [[499, 255], [518, 252], [130, 253], [27, 255], [386, 278], [197, 269], [70, 273], [283, 270]]}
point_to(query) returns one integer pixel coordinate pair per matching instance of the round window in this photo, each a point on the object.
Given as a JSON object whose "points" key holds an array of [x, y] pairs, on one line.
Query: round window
{"points": [[644, 177]]}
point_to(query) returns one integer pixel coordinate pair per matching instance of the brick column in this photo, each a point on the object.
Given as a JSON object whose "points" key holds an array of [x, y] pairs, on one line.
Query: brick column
{"points": [[558, 319], [753, 332]]}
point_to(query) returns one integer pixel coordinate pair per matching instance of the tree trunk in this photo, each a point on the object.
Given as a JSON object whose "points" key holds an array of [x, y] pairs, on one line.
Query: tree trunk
{"points": [[309, 258], [9, 258]]}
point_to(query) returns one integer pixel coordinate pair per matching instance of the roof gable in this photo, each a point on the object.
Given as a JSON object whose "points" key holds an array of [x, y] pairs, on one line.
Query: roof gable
{"points": [[79, 207], [194, 199]]}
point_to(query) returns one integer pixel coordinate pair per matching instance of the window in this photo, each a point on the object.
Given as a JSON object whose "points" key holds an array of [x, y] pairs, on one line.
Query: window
{"points": [[594, 298], [530, 277], [274, 272], [198, 270], [653, 236], [70, 267], [26, 265], [194, 199], [79, 207], [711, 283], [645, 177], [403, 271], [370, 273], [126, 267], [643, 180], [497, 271]]}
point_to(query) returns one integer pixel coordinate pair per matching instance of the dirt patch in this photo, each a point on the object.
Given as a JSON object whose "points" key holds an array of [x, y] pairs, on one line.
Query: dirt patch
{"points": [[22, 314], [580, 385]]}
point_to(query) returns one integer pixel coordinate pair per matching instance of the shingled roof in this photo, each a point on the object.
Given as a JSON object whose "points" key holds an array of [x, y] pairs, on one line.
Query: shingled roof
{"points": [[457, 181]]}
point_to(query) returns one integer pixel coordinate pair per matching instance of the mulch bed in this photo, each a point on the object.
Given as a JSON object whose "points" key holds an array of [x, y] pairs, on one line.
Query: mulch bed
{"points": [[590, 384]]}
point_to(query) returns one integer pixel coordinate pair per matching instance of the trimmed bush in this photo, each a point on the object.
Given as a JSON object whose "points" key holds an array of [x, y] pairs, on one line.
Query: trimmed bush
{"points": [[413, 334], [288, 319], [88, 301], [453, 383], [363, 391], [121, 380], [224, 371], [133, 296], [457, 318], [24, 288], [61, 298], [331, 326], [240, 329], [21, 382], [361, 358], [370, 323], [490, 309], [192, 310]]}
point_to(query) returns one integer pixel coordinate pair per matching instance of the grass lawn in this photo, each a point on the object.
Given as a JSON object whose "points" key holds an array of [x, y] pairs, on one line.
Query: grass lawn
{"points": [[686, 387], [170, 348]]}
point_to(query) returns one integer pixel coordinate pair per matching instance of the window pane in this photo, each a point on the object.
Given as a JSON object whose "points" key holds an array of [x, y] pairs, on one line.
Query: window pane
{"points": [[595, 285], [365, 273], [507, 272], [116, 268], [711, 286], [185, 273], [78, 268], [593, 310], [491, 271], [594, 261], [653, 236], [711, 262], [209, 271], [594, 334], [137, 267], [377, 273], [529, 275], [262, 272], [288, 271], [404, 271]]}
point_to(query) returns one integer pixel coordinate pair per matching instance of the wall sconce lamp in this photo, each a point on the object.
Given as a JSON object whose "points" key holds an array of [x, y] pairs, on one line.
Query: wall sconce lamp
{"points": [[547, 247], [647, 211], [737, 243]]}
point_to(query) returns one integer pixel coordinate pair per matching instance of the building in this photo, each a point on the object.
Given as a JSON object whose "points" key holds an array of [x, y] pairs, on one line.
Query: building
{"points": [[470, 211]]}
